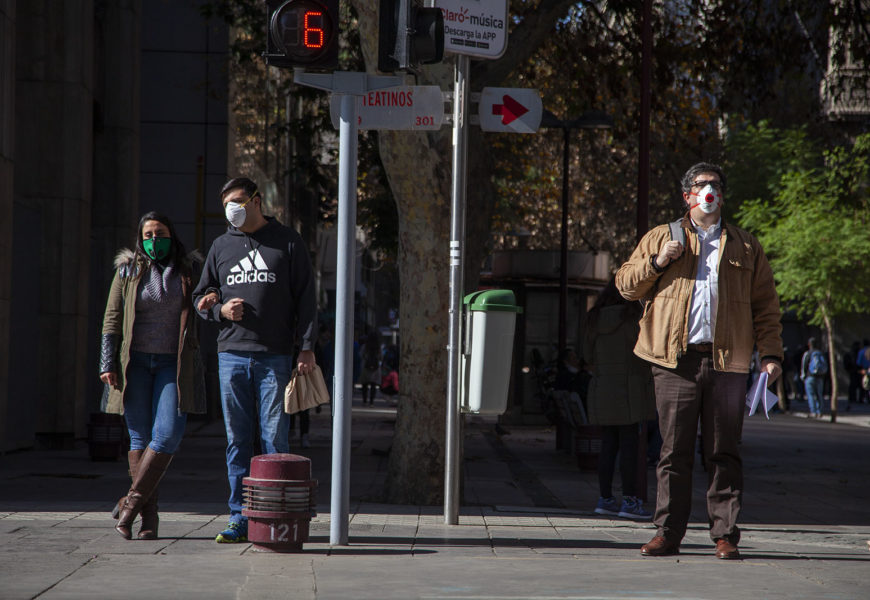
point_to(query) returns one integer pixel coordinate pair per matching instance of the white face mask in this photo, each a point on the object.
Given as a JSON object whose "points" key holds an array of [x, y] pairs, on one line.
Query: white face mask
{"points": [[235, 213], [709, 199]]}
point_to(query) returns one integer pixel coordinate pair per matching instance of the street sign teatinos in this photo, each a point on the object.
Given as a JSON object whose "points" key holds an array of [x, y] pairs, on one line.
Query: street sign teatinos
{"points": [[476, 28], [512, 110], [406, 107]]}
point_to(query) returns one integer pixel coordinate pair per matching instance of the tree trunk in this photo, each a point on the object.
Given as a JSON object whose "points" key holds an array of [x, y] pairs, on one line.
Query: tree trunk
{"points": [[832, 371], [418, 166], [416, 463]]}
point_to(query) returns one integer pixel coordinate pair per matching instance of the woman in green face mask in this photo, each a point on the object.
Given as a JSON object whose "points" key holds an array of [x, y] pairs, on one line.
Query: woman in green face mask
{"points": [[149, 361]]}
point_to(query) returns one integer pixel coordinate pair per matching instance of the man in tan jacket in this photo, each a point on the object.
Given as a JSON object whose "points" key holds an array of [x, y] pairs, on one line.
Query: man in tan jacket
{"points": [[709, 300]]}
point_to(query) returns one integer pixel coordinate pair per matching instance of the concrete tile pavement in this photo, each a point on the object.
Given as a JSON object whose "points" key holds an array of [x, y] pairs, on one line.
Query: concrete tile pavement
{"points": [[526, 527]]}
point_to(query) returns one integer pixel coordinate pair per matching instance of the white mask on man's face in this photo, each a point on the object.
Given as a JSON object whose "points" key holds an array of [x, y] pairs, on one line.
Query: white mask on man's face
{"points": [[235, 213], [709, 199]]}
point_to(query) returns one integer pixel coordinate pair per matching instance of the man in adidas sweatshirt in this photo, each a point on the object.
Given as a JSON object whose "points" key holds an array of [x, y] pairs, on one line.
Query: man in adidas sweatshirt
{"points": [[257, 283]]}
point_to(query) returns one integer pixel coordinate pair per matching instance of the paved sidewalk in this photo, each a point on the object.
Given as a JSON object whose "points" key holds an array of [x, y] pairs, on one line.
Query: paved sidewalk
{"points": [[526, 529]]}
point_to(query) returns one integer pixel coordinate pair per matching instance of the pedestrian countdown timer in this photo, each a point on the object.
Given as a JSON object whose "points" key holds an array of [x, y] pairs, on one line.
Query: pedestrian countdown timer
{"points": [[302, 33]]}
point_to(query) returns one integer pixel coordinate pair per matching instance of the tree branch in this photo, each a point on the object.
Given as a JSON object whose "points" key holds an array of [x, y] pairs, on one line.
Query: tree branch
{"points": [[523, 42]]}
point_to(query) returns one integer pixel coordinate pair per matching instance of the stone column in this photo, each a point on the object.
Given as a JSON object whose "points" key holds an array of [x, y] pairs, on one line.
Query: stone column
{"points": [[116, 128], [7, 165], [53, 181], [115, 206]]}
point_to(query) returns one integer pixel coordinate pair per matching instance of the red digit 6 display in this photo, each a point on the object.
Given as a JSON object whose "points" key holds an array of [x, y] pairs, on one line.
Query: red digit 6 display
{"points": [[303, 29], [312, 36]]}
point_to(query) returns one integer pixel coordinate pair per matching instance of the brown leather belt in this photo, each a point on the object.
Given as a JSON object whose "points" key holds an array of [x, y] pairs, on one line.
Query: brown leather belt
{"points": [[703, 348]]}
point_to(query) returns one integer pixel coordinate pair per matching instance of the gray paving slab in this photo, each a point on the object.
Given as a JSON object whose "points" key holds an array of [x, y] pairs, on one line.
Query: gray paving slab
{"points": [[27, 574], [123, 575]]}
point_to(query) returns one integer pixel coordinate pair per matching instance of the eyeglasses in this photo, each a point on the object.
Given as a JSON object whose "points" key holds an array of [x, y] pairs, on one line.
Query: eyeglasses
{"points": [[248, 199], [716, 185]]}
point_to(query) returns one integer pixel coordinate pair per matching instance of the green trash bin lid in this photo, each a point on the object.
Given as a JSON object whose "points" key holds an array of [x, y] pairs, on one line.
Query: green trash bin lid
{"points": [[493, 301]]}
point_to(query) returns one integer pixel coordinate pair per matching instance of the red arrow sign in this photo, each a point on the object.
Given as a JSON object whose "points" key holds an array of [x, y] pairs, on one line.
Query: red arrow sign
{"points": [[510, 110]]}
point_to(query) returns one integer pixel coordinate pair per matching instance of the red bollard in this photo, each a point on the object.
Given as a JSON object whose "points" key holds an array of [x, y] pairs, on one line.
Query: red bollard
{"points": [[279, 502]]}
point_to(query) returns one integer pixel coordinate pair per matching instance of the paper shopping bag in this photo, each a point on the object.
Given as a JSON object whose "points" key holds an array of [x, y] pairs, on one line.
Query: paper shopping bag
{"points": [[305, 391]]}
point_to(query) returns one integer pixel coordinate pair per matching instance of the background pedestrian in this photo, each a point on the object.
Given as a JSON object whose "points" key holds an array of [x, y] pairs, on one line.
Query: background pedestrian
{"points": [[619, 398]]}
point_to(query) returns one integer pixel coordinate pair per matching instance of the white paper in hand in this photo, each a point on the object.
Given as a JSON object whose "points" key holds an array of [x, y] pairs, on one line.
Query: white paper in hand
{"points": [[759, 394]]}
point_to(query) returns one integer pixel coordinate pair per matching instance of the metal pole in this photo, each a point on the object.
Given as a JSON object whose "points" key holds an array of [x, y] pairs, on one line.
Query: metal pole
{"points": [[563, 249], [643, 190], [340, 497], [457, 242]]}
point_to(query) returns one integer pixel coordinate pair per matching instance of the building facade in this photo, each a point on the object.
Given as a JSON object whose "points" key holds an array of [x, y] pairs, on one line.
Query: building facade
{"points": [[107, 109]]}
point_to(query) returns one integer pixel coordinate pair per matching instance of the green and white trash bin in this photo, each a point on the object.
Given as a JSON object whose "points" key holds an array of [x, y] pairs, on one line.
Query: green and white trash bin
{"points": [[485, 363]]}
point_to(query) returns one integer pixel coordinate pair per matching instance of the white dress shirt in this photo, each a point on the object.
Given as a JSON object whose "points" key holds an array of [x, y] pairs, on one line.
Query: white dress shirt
{"points": [[705, 297]]}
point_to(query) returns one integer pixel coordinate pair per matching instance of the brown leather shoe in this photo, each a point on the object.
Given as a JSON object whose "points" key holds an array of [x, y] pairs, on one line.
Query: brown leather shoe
{"points": [[659, 546], [726, 550]]}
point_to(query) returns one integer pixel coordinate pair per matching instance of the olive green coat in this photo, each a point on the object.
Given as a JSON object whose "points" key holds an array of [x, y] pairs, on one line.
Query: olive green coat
{"points": [[119, 318], [621, 389]]}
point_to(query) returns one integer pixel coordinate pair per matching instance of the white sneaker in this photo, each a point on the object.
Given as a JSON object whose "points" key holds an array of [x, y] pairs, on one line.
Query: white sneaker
{"points": [[306, 443]]}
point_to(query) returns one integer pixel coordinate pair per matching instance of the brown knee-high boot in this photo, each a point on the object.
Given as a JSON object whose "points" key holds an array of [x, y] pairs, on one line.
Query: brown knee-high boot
{"points": [[150, 518], [133, 458], [150, 471]]}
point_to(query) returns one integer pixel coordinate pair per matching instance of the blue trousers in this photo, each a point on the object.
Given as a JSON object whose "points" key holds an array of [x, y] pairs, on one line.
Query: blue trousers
{"points": [[252, 392], [814, 387], [151, 402]]}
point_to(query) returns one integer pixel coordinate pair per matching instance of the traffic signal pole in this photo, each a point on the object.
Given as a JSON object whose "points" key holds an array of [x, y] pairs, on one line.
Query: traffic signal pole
{"points": [[457, 244], [343, 392], [305, 33], [348, 85]]}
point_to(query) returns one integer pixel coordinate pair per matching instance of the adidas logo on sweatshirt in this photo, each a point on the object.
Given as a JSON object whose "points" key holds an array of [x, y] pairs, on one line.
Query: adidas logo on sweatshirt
{"points": [[251, 269]]}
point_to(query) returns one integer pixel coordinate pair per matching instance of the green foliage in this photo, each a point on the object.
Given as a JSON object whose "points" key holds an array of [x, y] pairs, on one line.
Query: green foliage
{"points": [[758, 156], [717, 65], [813, 223]]}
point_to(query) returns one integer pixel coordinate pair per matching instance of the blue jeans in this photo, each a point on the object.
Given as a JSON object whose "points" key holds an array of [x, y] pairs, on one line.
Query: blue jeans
{"points": [[815, 388], [252, 391], [151, 402]]}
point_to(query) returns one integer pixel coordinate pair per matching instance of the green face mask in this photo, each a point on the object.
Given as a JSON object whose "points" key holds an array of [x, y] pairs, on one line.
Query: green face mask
{"points": [[157, 248]]}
